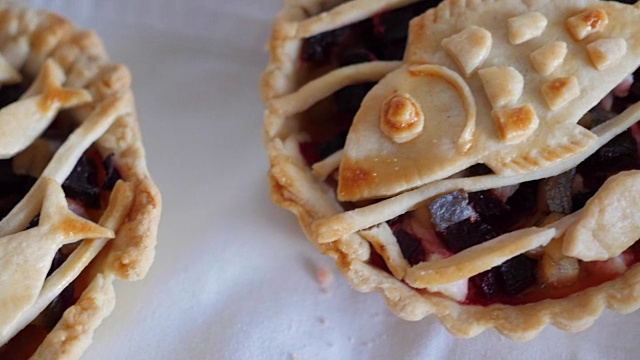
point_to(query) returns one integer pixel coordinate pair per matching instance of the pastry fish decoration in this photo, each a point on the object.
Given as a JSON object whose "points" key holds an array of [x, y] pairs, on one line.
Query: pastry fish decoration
{"points": [[57, 226], [502, 83]]}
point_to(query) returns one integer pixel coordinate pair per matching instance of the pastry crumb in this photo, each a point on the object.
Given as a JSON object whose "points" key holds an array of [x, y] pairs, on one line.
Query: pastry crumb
{"points": [[324, 277]]}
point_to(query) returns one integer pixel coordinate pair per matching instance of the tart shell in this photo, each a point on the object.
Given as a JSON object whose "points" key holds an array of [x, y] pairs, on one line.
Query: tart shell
{"points": [[30, 37], [295, 188]]}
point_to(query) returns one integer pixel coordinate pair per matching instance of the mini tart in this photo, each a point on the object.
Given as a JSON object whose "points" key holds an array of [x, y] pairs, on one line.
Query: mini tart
{"points": [[514, 213], [78, 207]]}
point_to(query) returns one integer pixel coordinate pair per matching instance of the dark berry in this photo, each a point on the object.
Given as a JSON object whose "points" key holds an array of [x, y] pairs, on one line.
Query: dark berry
{"points": [[11, 93], [394, 25], [485, 286], [410, 246], [478, 170], [82, 183], [348, 99], [332, 145], [525, 200], [490, 208], [393, 50], [309, 152], [501, 283], [12, 187], [319, 48], [54, 311], [450, 209], [619, 154], [457, 223], [518, 274], [465, 234]]}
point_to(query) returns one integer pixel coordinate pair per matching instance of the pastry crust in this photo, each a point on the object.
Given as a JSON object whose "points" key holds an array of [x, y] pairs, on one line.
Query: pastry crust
{"points": [[352, 237], [105, 119]]}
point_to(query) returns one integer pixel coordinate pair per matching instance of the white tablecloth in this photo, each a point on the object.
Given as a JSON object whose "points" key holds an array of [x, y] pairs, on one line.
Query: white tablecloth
{"points": [[234, 277]]}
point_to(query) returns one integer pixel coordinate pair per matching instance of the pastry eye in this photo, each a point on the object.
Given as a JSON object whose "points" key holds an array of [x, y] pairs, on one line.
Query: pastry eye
{"points": [[401, 118]]}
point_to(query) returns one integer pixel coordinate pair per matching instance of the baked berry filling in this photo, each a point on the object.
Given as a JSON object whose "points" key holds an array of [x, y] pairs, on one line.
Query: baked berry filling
{"points": [[460, 220], [87, 189]]}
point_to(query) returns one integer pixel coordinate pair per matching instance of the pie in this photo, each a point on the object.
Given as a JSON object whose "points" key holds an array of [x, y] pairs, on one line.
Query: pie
{"points": [[78, 207], [478, 161]]}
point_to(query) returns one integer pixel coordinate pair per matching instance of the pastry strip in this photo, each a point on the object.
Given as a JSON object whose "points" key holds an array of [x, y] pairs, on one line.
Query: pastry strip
{"points": [[348, 222], [346, 13], [326, 85]]}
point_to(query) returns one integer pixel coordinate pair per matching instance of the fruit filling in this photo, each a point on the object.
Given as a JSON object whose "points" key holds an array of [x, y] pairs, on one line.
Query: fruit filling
{"points": [[459, 220]]}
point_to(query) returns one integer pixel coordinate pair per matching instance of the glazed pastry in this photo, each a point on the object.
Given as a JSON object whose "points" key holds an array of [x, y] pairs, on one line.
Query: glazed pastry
{"points": [[78, 207], [476, 160]]}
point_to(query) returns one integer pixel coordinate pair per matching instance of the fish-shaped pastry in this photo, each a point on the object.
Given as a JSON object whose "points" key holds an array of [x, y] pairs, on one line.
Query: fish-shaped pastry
{"points": [[502, 83]]}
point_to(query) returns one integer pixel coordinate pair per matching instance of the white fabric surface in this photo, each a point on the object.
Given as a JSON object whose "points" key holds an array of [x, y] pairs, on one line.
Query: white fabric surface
{"points": [[234, 277]]}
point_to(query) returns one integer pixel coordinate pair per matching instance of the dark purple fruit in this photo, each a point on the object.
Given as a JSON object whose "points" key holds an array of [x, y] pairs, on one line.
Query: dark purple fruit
{"points": [[332, 145], [479, 169], [54, 311], [12, 187], [619, 154], [393, 50], [503, 282], [517, 274], [450, 209], [525, 200], [465, 234], [491, 209], [486, 286], [82, 184], [410, 246], [319, 48], [457, 223], [394, 25], [10, 93], [348, 99], [557, 192]]}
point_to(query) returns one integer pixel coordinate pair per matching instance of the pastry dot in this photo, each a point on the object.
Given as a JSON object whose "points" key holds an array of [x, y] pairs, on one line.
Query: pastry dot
{"points": [[469, 48], [606, 52], [560, 91], [548, 57], [503, 85], [587, 22], [401, 118], [526, 27], [515, 124]]}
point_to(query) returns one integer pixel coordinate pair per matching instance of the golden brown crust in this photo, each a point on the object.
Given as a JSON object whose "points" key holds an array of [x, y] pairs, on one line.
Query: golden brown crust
{"points": [[29, 37], [74, 332], [348, 236]]}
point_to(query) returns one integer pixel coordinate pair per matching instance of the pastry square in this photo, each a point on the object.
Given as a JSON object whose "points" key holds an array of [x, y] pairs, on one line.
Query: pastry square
{"points": [[78, 208], [474, 160]]}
